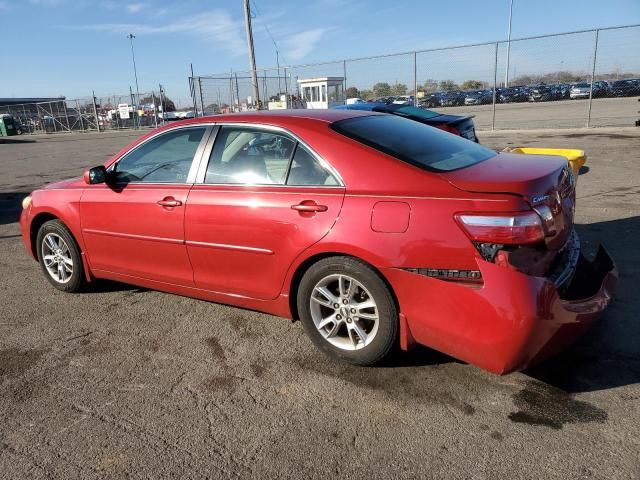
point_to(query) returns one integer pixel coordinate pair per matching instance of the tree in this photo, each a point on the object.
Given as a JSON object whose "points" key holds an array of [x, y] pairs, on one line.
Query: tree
{"points": [[398, 89], [473, 85], [366, 94], [212, 108], [448, 85], [168, 105], [429, 86], [382, 89], [352, 92]]}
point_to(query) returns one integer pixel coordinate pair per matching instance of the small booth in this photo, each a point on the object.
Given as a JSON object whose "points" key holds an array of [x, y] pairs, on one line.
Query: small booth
{"points": [[325, 92]]}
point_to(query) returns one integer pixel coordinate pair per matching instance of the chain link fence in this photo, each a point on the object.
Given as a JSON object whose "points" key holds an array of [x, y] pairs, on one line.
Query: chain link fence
{"points": [[93, 113], [573, 79]]}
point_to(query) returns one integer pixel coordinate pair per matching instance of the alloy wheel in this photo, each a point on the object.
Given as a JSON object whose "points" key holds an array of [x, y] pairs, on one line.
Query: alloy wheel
{"points": [[344, 312]]}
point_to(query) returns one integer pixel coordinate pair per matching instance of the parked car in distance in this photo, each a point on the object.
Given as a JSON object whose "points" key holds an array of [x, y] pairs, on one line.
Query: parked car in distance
{"points": [[353, 100], [511, 95], [460, 125], [372, 229], [580, 90], [452, 99], [625, 88], [430, 100], [404, 100], [540, 93], [480, 97]]}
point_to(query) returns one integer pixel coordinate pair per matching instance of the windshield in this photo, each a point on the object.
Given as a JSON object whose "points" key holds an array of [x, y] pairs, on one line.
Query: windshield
{"points": [[413, 142]]}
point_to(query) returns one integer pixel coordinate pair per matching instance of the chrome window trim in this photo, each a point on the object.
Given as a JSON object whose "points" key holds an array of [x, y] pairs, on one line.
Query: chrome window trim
{"points": [[273, 128], [195, 160]]}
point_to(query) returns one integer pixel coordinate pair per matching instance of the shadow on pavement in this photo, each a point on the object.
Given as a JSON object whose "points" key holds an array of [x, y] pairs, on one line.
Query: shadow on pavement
{"points": [[11, 206], [608, 356], [16, 140]]}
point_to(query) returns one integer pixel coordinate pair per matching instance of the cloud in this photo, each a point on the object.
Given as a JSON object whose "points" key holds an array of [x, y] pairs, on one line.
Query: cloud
{"points": [[135, 7], [216, 26], [299, 45]]}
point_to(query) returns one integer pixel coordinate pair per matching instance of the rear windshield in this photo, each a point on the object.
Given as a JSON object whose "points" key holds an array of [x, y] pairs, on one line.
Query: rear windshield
{"points": [[407, 111], [413, 142]]}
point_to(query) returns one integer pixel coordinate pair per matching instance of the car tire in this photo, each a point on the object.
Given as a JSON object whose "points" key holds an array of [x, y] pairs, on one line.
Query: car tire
{"points": [[59, 257], [361, 340]]}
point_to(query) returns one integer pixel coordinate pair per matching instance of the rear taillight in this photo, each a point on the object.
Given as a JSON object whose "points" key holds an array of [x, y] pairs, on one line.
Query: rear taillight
{"points": [[518, 228], [448, 128]]}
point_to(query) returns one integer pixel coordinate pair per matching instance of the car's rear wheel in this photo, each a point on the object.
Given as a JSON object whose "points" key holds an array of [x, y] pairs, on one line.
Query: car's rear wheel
{"points": [[347, 310], [59, 257]]}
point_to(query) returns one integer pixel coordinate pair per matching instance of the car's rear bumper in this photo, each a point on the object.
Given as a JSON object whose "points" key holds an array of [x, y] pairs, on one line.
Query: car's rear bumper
{"points": [[510, 321]]}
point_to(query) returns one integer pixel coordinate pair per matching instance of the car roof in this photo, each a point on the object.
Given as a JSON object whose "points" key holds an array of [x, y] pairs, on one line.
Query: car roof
{"points": [[278, 116]]}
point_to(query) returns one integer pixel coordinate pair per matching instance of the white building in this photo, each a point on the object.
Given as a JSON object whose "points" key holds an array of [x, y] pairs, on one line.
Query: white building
{"points": [[325, 92]]}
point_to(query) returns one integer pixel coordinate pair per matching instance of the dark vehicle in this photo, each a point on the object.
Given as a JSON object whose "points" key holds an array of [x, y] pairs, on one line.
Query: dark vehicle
{"points": [[601, 89], [625, 88], [540, 93], [462, 126], [481, 97], [452, 99], [430, 100], [511, 95]]}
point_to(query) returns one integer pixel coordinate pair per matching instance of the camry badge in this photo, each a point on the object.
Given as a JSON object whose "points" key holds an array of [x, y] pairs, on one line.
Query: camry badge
{"points": [[539, 199]]}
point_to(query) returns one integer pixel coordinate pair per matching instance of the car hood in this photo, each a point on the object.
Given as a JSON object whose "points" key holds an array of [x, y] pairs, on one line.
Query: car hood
{"points": [[77, 182], [525, 175]]}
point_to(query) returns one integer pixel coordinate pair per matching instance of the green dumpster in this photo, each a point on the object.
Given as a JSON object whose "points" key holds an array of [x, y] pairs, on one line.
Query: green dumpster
{"points": [[7, 126]]}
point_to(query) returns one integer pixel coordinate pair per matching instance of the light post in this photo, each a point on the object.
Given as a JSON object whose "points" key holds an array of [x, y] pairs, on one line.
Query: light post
{"points": [[131, 36], [506, 73]]}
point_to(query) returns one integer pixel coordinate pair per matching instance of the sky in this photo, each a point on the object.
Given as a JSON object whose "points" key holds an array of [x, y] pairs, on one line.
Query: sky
{"points": [[71, 47]]}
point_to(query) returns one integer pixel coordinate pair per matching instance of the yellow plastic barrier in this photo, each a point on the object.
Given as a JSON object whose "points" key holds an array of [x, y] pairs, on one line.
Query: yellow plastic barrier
{"points": [[576, 158]]}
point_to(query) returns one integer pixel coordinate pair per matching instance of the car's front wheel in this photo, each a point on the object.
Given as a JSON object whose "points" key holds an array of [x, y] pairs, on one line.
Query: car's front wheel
{"points": [[59, 256], [347, 310]]}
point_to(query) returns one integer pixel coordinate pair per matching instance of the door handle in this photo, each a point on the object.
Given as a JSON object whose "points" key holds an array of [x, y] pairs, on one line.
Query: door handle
{"points": [[309, 206], [169, 202]]}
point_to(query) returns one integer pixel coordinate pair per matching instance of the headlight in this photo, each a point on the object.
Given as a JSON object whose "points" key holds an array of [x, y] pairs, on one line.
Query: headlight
{"points": [[26, 201]]}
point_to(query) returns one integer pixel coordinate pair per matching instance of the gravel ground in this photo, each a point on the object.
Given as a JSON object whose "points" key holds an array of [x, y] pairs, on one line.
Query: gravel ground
{"points": [[126, 382]]}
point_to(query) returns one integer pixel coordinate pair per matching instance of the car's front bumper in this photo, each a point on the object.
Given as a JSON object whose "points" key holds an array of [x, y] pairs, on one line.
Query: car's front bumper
{"points": [[510, 321]]}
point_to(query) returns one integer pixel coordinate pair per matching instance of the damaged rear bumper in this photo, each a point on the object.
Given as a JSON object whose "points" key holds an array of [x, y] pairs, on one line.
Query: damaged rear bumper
{"points": [[512, 320]]}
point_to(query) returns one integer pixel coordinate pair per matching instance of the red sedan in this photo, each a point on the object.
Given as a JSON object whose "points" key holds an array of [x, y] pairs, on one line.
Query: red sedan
{"points": [[372, 229]]}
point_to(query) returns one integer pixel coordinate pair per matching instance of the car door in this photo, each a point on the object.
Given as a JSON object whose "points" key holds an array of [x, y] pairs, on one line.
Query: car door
{"points": [[264, 197], [134, 224]]}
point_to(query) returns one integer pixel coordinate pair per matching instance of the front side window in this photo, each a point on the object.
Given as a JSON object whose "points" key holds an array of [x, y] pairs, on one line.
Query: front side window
{"points": [[166, 158], [413, 142], [243, 155]]}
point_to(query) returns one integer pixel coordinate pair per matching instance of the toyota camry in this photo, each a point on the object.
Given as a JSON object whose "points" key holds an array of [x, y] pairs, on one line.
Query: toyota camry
{"points": [[374, 230]]}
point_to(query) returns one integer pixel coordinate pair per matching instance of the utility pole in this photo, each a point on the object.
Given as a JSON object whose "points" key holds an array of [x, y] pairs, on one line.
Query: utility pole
{"points": [[252, 58], [506, 72], [131, 36]]}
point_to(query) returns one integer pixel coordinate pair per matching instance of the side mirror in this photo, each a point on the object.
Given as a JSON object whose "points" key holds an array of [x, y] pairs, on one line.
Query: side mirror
{"points": [[95, 175]]}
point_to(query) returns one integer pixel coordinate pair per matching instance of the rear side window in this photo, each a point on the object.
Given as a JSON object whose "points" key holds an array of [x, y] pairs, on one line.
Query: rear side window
{"points": [[413, 142]]}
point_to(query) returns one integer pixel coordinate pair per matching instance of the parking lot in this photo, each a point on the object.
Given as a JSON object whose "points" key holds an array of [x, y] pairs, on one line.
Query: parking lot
{"points": [[605, 112], [126, 382]]}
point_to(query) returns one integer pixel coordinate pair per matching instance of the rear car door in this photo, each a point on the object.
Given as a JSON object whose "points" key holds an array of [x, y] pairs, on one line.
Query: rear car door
{"points": [[134, 224], [261, 199]]}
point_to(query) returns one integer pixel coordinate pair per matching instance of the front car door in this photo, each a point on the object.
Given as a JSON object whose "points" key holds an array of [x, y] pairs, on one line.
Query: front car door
{"points": [[134, 224], [261, 199]]}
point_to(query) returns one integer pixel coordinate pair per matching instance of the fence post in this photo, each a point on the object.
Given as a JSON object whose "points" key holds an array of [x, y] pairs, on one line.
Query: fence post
{"points": [[593, 73], [495, 85], [201, 96], [162, 100], [80, 115], [415, 79], [344, 76], [155, 109], [95, 110], [286, 86], [192, 89]]}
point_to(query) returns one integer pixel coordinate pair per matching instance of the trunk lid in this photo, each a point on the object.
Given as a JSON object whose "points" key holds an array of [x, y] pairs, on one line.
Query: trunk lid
{"points": [[544, 181]]}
